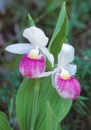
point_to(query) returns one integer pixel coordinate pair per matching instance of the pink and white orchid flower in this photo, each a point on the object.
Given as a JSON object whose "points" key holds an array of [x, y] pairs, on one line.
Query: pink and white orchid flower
{"points": [[63, 78], [33, 62]]}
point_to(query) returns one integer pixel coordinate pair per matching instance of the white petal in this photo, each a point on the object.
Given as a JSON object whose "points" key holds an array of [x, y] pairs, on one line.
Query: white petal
{"points": [[45, 74], [66, 55], [19, 48], [47, 54], [35, 36], [71, 68]]}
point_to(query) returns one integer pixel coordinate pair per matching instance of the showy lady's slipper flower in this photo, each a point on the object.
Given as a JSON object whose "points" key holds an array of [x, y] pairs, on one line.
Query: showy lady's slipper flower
{"points": [[33, 63], [63, 80]]}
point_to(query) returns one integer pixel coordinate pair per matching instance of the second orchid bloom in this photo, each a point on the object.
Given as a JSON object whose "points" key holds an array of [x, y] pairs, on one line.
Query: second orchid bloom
{"points": [[63, 78], [33, 63]]}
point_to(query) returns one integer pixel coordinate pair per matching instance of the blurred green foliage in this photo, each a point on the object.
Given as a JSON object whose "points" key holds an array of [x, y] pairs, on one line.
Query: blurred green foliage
{"points": [[13, 20]]}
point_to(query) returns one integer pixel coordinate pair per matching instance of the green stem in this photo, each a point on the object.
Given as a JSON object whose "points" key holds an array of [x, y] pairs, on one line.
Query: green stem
{"points": [[35, 104]]}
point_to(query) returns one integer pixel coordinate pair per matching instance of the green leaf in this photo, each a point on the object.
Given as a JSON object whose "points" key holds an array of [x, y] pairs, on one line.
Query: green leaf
{"points": [[59, 35], [4, 124], [31, 22], [35, 104], [51, 120], [24, 104], [83, 98], [59, 105]]}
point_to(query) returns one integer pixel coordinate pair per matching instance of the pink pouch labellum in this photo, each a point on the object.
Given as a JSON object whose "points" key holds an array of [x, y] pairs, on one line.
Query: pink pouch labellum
{"points": [[32, 68], [69, 88]]}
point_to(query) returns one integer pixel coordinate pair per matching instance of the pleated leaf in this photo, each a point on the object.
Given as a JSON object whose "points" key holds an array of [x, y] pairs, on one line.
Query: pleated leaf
{"points": [[24, 103], [59, 35], [51, 120], [59, 105], [60, 32], [4, 124], [25, 99]]}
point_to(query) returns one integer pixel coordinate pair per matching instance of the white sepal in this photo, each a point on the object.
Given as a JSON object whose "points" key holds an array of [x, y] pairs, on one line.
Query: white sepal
{"points": [[20, 48], [71, 68], [54, 76], [35, 36], [56, 71], [46, 52], [53, 80], [66, 55]]}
